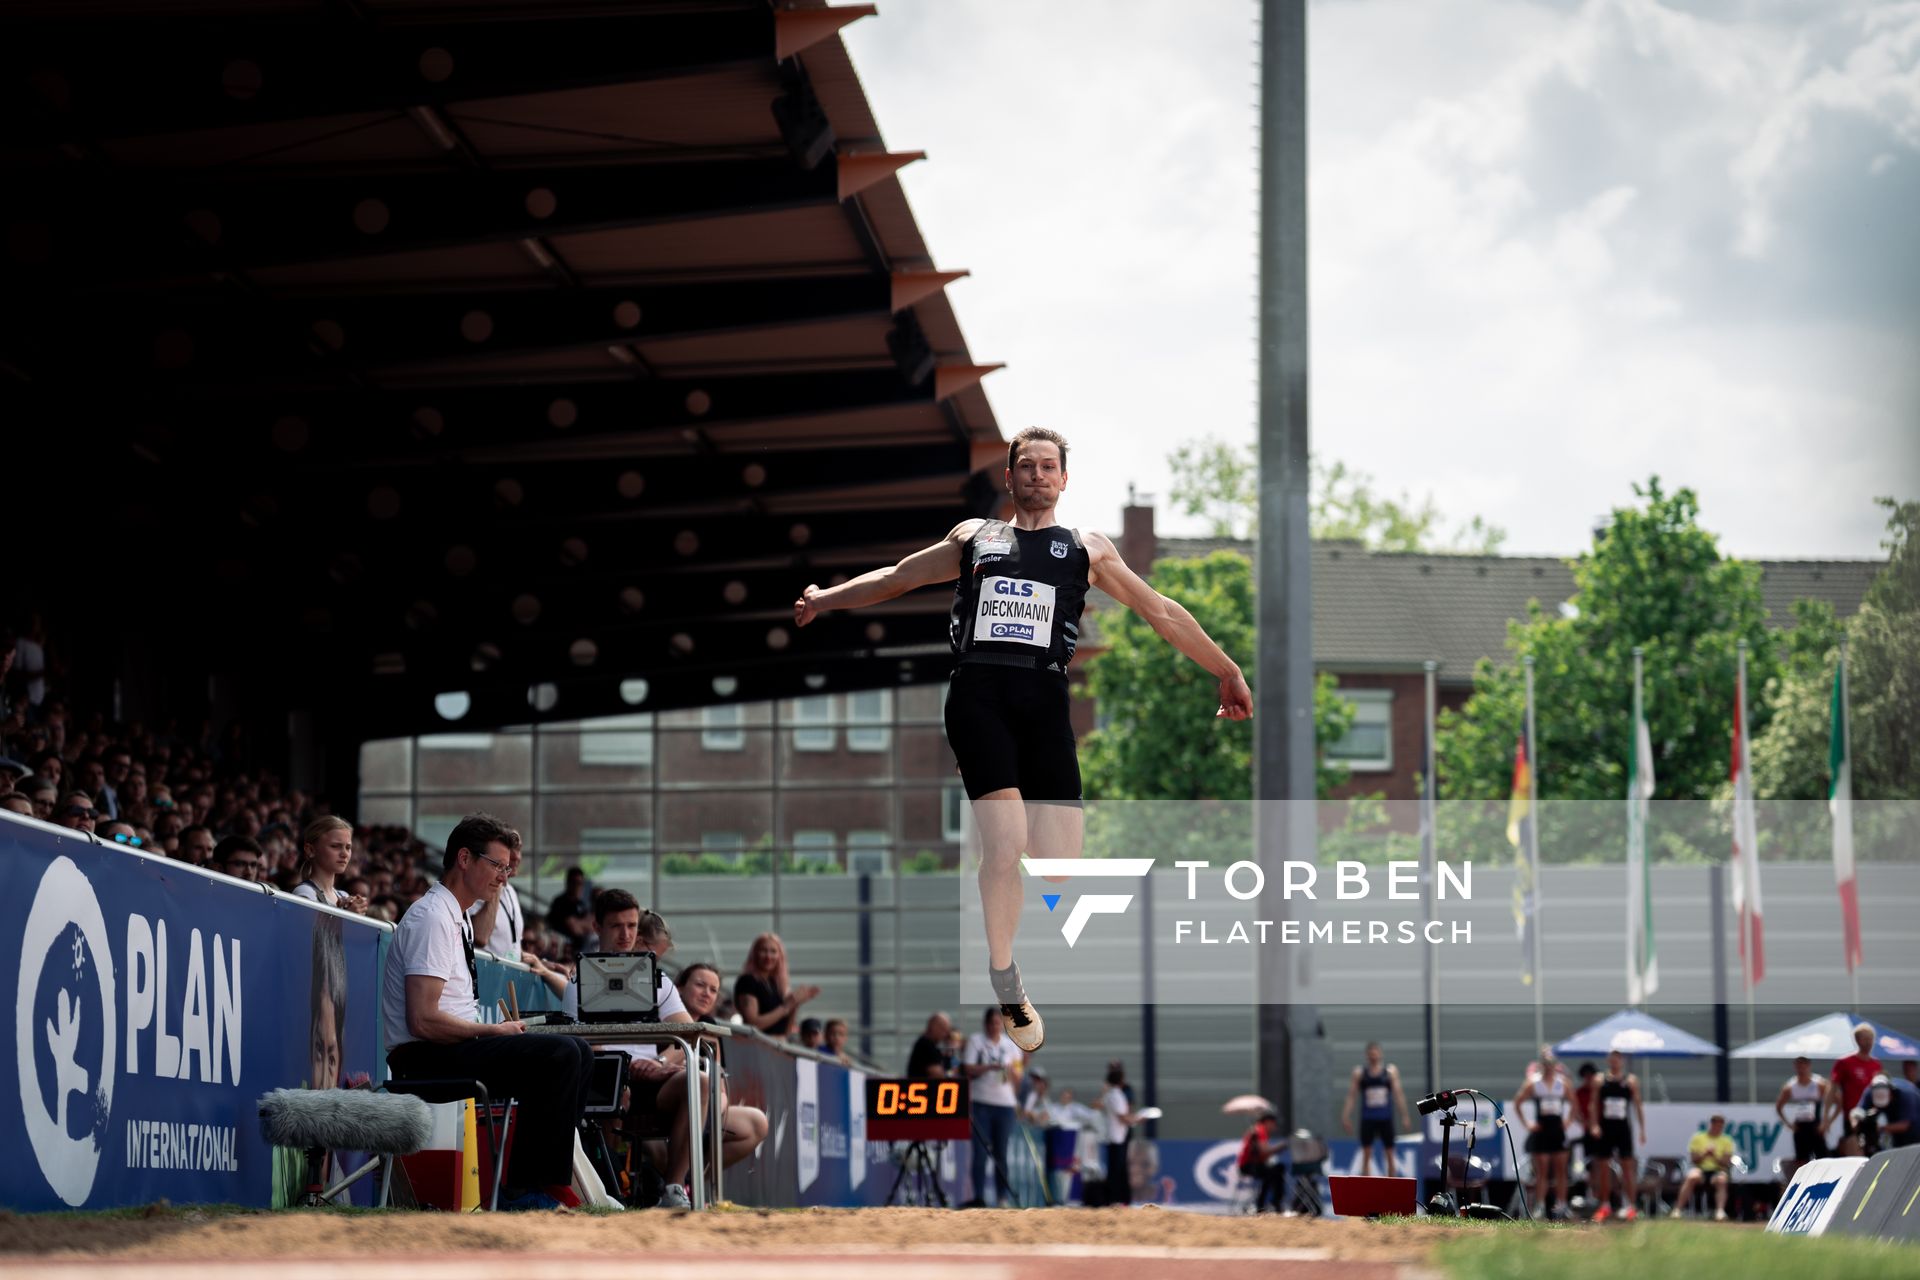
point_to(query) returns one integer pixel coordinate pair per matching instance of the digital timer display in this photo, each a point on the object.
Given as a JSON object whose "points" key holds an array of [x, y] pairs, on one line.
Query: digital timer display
{"points": [[917, 1110]]}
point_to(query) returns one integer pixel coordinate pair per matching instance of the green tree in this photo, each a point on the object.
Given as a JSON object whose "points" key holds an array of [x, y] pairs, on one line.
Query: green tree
{"points": [[1653, 578], [1221, 482], [1159, 739], [1790, 756]]}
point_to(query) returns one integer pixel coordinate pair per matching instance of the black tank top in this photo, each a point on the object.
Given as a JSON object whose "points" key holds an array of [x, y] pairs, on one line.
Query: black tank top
{"points": [[1615, 1099], [1019, 597]]}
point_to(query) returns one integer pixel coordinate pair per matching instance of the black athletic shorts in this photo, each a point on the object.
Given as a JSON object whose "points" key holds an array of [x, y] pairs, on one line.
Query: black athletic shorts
{"points": [[1372, 1131], [1613, 1140], [1808, 1142], [1010, 727], [1550, 1139]]}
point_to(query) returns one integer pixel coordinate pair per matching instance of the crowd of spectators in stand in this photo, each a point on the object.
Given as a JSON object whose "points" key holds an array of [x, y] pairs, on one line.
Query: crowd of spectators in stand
{"points": [[197, 794]]}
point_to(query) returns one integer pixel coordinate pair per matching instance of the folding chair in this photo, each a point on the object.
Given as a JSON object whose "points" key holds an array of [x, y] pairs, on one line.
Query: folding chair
{"points": [[499, 1124], [1309, 1157]]}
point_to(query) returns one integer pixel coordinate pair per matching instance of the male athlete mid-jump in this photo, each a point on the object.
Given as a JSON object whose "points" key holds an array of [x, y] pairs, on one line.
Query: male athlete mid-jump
{"points": [[1016, 619]]}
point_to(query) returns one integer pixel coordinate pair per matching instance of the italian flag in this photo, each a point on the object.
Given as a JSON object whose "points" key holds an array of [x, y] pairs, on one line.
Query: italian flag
{"points": [[1840, 805]]}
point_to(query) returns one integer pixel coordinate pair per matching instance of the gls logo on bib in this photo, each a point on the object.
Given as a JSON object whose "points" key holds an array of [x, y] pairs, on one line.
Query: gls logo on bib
{"points": [[64, 1086], [1017, 610]]}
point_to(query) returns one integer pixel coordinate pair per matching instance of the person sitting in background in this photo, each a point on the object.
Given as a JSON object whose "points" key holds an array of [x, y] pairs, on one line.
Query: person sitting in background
{"points": [[834, 1040], [1711, 1154], [700, 987], [499, 924], [929, 1059], [240, 857], [658, 1085], [1263, 1158], [327, 849], [77, 812], [570, 914], [1882, 1120], [430, 1006], [17, 802], [195, 847], [762, 994], [811, 1033]]}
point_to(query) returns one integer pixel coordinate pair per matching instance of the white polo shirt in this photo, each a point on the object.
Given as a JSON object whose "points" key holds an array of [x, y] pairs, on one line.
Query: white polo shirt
{"points": [[431, 939]]}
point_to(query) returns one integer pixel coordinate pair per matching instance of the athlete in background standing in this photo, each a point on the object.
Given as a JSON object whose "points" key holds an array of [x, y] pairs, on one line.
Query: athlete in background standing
{"points": [[1376, 1084], [1016, 620]]}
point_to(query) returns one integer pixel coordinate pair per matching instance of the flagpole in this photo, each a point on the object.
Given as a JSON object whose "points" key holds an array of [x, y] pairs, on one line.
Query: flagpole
{"points": [[1846, 747], [1746, 909], [1634, 878], [1533, 859], [1429, 855]]}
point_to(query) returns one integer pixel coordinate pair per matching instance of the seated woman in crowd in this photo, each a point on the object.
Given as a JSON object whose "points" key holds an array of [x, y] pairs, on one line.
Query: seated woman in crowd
{"points": [[762, 996], [326, 850], [742, 1127]]}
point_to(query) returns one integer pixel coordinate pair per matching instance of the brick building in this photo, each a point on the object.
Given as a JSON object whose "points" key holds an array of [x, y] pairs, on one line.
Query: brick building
{"points": [[1379, 616]]}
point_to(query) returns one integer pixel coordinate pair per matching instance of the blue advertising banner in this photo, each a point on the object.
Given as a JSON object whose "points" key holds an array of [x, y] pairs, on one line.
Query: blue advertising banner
{"points": [[154, 1004]]}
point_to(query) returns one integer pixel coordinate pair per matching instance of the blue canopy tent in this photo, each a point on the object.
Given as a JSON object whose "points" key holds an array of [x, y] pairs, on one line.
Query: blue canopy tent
{"points": [[1830, 1037], [1638, 1035]]}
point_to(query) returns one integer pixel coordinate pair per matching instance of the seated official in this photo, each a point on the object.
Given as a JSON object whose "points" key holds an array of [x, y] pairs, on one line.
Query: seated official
{"points": [[430, 1007], [1711, 1153], [930, 1058], [1263, 1158]]}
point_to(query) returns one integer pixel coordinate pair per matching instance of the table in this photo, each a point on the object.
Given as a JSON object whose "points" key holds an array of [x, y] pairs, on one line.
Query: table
{"points": [[706, 1052]]}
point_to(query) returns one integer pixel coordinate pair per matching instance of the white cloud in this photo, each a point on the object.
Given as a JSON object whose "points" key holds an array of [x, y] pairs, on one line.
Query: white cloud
{"points": [[1553, 251]]}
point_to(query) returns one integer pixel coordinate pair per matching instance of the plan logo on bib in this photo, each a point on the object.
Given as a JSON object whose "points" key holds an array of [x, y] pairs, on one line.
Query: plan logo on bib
{"points": [[64, 1029], [1088, 905]]}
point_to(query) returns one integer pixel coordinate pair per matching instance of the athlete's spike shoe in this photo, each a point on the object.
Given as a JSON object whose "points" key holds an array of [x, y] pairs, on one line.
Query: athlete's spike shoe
{"points": [[1024, 1027]]}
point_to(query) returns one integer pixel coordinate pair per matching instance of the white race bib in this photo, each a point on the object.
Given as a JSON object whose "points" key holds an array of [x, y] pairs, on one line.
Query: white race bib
{"points": [[1376, 1096], [1613, 1108], [1799, 1112], [1015, 610], [1549, 1106]]}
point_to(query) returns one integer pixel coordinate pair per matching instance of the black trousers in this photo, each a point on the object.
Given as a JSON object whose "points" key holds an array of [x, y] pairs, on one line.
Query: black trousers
{"points": [[1119, 1189], [546, 1074]]}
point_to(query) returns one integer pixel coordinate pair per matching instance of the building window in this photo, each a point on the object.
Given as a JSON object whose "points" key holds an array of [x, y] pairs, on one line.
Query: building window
{"points": [[870, 720], [726, 845], [1367, 745], [618, 740], [626, 855], [867, 852], [720, 728], [456, 742], [813, 723], [815, 847]]}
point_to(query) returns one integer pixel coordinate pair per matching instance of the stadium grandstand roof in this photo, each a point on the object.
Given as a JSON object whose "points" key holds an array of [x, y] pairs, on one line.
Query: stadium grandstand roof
{"points": [[374, 351]]}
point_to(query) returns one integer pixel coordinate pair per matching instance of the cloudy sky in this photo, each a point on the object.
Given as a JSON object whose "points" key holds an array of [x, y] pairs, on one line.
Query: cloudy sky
{"points": [[1557, 245]]}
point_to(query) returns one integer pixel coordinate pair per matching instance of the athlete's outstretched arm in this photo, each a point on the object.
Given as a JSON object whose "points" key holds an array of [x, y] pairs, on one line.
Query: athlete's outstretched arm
{"points": [[937, 563], [1174, 624]]}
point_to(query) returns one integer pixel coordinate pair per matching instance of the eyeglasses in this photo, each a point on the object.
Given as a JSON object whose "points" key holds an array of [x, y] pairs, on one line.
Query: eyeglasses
{"points": [[493, 862], [121, 837]]}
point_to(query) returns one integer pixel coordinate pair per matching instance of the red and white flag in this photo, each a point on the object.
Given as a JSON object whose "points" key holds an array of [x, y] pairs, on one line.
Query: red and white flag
{"points": [[1746, 842], [1840, 804]]}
